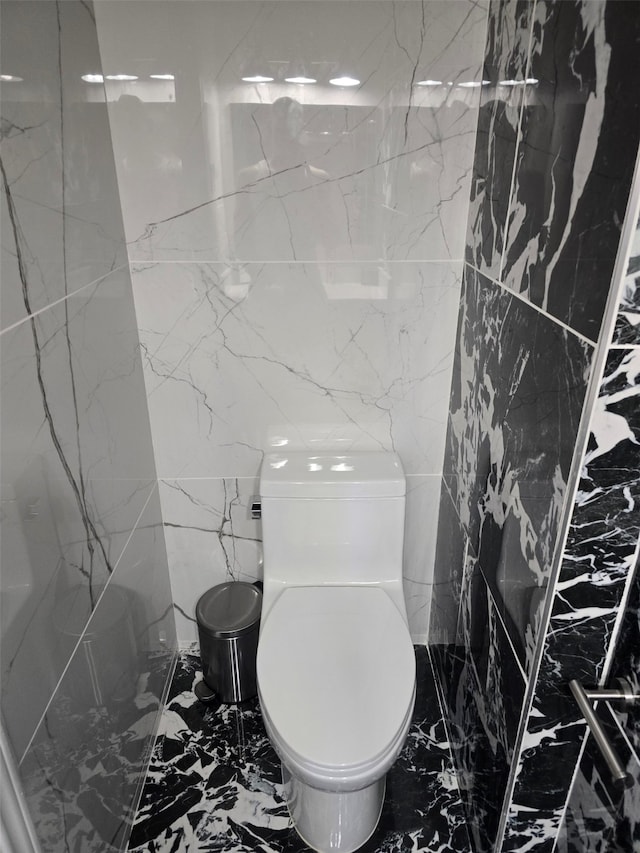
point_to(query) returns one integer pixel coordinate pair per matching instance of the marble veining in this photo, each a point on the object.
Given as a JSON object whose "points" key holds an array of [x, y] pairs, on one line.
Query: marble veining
{"points": [[210, 539], [214, 781]]}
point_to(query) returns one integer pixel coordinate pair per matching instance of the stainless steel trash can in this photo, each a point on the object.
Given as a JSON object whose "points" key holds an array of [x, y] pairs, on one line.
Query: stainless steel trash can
{"points": [[228, 617]]}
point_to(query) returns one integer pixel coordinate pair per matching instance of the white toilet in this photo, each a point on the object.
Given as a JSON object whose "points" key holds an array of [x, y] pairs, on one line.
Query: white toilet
{"points": [[336, 666]]}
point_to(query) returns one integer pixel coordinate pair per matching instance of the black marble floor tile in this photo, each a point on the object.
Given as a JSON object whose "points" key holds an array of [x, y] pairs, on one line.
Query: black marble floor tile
{"points": [[214, 781]]}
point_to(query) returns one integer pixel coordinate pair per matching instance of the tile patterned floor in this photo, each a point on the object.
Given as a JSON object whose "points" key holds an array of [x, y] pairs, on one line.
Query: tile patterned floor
{"points": [[214, 781]]}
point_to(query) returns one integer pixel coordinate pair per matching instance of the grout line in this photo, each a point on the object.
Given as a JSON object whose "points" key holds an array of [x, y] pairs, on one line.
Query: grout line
{"points": [[536, 308], [465, 534], [84, 631], [489, 590], [312, 262], [450, 740], [62, 299], [504, 626], [444, 717]]}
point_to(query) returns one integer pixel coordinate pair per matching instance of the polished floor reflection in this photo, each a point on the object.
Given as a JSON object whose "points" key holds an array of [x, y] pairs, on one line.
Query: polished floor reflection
{"points": [[214, 781]]}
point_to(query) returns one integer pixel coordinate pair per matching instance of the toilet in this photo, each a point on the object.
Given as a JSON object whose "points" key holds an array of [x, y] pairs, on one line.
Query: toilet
{"points": [[336, 666]]}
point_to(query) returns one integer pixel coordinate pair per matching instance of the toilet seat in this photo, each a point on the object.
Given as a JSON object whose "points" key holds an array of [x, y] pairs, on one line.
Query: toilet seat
{"points": [[336, 679]]}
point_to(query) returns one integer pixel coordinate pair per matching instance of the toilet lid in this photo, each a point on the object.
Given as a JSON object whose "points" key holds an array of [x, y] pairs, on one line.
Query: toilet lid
{"points": [[336, 672]]}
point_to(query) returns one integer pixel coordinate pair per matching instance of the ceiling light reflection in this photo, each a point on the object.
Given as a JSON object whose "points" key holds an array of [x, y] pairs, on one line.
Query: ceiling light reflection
{"points": [[93, 78], [344, 81], [530, 81], [162, 76], [10, 78], [300, 80], [429, 83], [120, 77], [258, 78]]}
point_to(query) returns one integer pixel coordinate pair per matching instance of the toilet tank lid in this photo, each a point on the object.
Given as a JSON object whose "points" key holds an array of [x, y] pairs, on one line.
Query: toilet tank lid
{"points": [[303, 474]]}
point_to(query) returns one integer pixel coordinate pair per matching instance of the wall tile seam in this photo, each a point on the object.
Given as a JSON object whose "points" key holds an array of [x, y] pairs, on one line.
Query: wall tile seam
{"points": [[62, 299], [504, 626], [445, 717], [72, 653], [599, 361], [178, 478], [465, 533], [507, 290], [518, 140], [141, 264]]}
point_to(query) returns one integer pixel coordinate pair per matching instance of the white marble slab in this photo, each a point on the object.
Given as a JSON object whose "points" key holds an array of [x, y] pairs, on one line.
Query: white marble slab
{"points": [[238, 360]]}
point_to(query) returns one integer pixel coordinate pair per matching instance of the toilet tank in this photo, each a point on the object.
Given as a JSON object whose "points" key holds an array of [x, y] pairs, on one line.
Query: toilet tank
{"points": [[332, 519]]}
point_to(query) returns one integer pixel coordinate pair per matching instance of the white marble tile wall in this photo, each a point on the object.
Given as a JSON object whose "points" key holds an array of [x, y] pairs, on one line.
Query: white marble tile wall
{"points": [[296, 248], [78, 490]]}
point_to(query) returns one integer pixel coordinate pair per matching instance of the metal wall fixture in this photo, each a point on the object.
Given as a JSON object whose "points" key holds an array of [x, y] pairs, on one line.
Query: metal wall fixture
{"points": [[255, 507], [584, 699]]}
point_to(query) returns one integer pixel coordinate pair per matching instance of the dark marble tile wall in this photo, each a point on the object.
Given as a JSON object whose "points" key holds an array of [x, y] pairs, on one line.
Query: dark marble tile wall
{"points": [[575, 159], [627, 331], [506, 56], [513, 426], [600, 552], [541, 248], [86, 601], [215, 784], [518, 388]]}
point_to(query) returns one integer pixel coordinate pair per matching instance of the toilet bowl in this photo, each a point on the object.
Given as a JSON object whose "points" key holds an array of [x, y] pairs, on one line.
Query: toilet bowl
{"points": [[335, 663]]}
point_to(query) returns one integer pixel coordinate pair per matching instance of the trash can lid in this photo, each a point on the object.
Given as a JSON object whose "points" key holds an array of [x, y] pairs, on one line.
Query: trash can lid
{"points": [[229, 609]]}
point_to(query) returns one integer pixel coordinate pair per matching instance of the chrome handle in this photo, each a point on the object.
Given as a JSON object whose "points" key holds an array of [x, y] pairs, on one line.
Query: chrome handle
{"points": [[584, 698]]}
